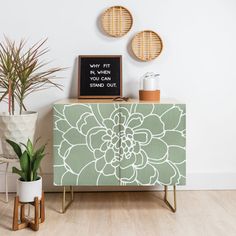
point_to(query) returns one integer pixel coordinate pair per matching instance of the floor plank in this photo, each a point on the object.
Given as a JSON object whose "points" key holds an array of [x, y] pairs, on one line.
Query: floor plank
{"points": [[133, 214]]}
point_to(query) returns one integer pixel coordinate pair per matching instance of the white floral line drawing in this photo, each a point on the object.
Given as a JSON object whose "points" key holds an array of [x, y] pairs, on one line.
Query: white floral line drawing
{"points": [[130, 143]]}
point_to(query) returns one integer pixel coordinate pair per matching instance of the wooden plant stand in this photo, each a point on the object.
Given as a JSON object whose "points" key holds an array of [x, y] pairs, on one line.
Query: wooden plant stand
{"points": [[39, 214]]}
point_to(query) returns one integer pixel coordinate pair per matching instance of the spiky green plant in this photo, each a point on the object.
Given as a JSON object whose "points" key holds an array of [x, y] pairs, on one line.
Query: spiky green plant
{"points": [[22, 72], [29, 160]]}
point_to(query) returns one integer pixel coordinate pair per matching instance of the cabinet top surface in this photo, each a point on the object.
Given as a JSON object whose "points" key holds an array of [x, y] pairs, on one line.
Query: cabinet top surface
{"points": [[107, 101]]}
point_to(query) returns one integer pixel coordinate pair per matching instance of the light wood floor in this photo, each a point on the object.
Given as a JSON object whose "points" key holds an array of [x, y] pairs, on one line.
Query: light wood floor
{"points": [[133, 214]]}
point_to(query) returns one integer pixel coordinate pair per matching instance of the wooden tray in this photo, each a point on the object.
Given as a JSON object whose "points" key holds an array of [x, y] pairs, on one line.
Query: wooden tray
{"points": [[117, 21], [147, 45]]}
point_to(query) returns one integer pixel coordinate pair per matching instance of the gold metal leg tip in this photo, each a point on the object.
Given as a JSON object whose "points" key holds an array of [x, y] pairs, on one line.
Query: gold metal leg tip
{"points": [[64, 205], [174, 207]]}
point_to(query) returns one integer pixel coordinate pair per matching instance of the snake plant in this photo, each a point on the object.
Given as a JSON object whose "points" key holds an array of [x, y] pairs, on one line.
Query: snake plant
{"points": [[29, 160]]}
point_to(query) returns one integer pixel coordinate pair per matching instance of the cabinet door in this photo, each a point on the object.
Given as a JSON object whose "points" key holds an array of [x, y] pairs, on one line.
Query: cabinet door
{"points": [[86, 144], [152, 144]]}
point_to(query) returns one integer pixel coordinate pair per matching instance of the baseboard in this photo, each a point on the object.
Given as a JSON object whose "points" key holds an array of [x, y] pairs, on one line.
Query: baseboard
{"points": [[195, 181]]}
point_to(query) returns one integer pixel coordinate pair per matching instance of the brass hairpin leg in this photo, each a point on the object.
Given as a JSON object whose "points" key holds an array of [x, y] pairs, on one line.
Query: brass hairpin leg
{"points": [[64, 205], [173, 208]]}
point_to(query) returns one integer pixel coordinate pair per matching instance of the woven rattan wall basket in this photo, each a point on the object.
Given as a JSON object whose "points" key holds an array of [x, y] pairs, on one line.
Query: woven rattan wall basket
{"points": [[147, 45], [117, 21]]}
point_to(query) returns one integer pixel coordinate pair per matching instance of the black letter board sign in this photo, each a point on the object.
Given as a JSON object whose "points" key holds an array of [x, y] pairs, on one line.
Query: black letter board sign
{"points": [[100, 76]]}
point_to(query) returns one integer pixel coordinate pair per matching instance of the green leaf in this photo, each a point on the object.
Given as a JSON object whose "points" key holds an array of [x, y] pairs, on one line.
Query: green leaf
{"points": [[20, 173], [25, 162], [36, 163], [24, 145], [15, 147], [35, 175], [30, 147], [39, 152]]}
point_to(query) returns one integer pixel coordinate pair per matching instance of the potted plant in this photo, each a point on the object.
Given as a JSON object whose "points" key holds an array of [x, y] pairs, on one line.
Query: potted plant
{"points": [[29, 185], [22, 72]]}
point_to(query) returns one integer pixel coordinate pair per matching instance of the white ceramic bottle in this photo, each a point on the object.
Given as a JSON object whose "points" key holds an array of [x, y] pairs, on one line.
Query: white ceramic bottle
{"points": [[150, 82]]}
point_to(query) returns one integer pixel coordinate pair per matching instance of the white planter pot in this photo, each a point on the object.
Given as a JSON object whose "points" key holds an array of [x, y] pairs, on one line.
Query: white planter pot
{"points": [[18, 128], [27, 191]]}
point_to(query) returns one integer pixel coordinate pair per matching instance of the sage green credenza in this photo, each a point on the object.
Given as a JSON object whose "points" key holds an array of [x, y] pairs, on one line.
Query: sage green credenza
{"points": [[106, 143]]}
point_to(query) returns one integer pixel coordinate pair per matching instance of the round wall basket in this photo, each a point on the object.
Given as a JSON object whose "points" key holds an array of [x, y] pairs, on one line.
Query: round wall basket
{"points": [[147, 45], [117, 21]]}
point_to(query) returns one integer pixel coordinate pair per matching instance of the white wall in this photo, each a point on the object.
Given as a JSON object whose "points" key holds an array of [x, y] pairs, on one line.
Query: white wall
{"points": [[197, 66]]}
